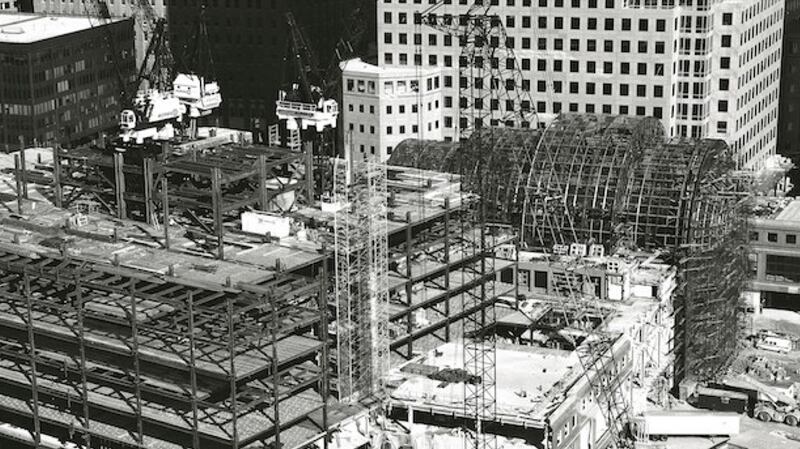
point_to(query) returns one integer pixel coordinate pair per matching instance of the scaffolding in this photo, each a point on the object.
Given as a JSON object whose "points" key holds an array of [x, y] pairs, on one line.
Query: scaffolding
{"points": [[362, 291]]}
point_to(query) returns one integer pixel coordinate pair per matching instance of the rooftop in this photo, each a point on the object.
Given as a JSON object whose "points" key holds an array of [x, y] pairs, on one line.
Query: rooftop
{"points": [[28, 28], [523, 397], [778, 209]]}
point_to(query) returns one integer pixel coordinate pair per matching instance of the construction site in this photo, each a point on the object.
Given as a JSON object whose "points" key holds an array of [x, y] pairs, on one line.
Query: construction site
{"points": [[570, 284]]}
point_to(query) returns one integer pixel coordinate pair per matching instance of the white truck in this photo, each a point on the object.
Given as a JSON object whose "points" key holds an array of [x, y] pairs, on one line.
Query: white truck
{"points": [[660, 424]]}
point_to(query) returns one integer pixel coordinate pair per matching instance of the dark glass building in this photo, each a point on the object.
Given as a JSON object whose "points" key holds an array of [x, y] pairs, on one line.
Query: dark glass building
{"points": [[249, 41], [58, 78], [789, 116]]}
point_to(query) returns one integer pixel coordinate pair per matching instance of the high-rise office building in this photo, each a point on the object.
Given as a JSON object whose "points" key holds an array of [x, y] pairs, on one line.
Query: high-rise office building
{"points": [[58, 82], [789, 117], [705, 69]]}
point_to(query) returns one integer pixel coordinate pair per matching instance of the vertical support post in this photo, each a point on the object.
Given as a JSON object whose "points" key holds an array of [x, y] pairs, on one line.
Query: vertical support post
{"points": [[26, 287], [193, 371], [263, 197], [18, 181], [232, 355], [216, 204], [23, 169], [165, 208], [82, 352], [136, 369], [147, 174], [273, 331], [409, 286], [447, 335], [309, 162], [322, 301], [119, 185], [57, 187]]}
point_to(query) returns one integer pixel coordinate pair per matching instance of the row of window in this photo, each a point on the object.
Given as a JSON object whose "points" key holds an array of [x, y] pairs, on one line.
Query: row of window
{"points": [[772, 237]]}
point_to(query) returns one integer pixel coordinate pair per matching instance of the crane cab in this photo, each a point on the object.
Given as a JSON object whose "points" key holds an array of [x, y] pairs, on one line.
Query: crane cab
{"points": [[303, 115], [127, 120]]}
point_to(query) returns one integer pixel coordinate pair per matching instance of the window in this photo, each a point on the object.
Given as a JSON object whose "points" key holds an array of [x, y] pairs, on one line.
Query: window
{"points": [[541, 86], [590, 88], [727, 18], [558, 44], [623, 110], [591, 23], [641, 68], [609, 4], [591, 45], [526, 43], [625, 68], [575, 23], [573, 67], [726, 41], [387, 17], [641, 90], [540, 279], [387, 58], [526, 21], [725, 62], [608, 24], [606, 109], [661, 25], [722, 127], [640, 110], [541, 65], [642, 46], [772, 237], [724, 84], [389, 130], [558, 23], [402, 18], [387, 38], [573, 86], [626, 24], [791, 239], [753, 236], [608, 67], [783, 268], [542, 43], [574, 44], [558, 65], [608, 46], [431, 39], [660, 47], [658, 91], [642, 24], [657, 112], [626, 46], [607, 91], [542, 23], [510, 21], [722, 106], [589, 108], [591, 66]]}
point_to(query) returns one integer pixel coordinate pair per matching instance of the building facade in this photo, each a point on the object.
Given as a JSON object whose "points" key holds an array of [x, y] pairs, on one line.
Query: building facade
{"points": [[383, 106], [704, 69], [775, 255], [57, 82]]}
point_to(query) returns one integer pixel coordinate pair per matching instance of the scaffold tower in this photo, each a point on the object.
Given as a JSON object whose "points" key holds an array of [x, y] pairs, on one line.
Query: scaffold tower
{"points": [[361, 290]]}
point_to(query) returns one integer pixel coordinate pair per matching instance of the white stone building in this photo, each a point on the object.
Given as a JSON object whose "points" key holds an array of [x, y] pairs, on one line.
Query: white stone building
{"points": [[705, 68], [383, 106]]}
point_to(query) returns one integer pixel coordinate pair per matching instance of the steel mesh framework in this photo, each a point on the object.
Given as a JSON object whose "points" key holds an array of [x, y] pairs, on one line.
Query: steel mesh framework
{"points": [[362, 294], [615, 179]]}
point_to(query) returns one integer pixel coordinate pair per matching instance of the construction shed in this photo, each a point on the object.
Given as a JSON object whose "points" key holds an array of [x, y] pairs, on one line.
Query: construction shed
{"points": [[618, 181]]}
